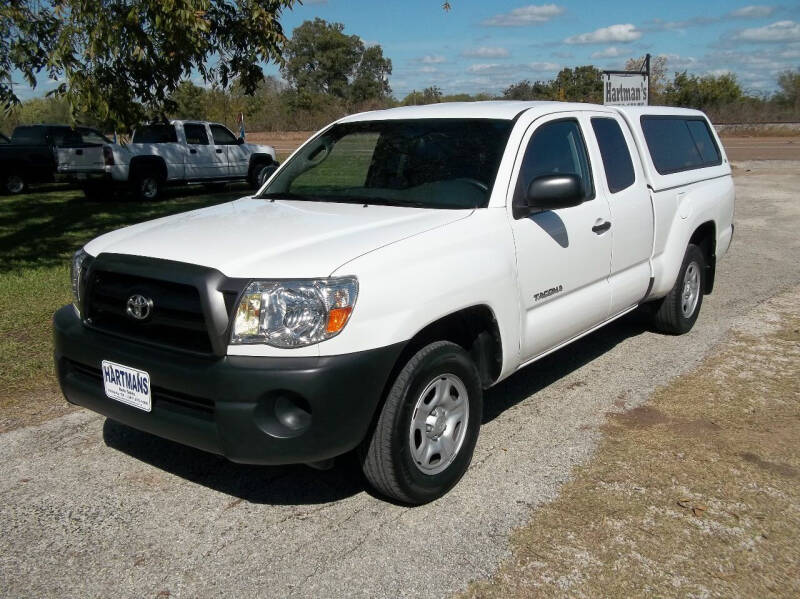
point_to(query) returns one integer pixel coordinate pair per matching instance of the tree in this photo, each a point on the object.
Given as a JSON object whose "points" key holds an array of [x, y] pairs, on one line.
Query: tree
{"points": [[706, 92], [525, 90], [789, 94], [581, 84], [321, 59], [190, 101], [658, 74], [123, 60]]}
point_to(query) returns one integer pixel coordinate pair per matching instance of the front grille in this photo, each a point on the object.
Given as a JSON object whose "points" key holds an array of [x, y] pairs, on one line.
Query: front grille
{"points": [[198, 407], [176, 319]]}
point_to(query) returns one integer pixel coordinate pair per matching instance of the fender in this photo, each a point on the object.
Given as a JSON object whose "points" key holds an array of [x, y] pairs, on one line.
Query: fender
{"points": [[699, 205], [406, 286], [148, 162]]}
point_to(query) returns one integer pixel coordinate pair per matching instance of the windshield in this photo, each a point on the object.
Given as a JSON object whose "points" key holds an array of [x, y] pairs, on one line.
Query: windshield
{"points": [[431, 163]]}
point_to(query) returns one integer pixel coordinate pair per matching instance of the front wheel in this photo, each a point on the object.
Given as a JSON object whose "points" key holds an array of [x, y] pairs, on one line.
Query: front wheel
{"points": [[13, 183], [423, 441], [678, 311], [261, 172]]}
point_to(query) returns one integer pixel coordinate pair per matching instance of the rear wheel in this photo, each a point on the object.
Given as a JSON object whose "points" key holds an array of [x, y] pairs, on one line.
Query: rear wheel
{"points": [[424, 438], [13, 183], [147, 186], [678, 311]]}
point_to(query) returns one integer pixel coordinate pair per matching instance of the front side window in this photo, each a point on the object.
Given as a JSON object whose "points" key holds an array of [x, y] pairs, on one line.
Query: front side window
{"points": [[431, 163], [679, 143], [556, 148], [155, 134], [222, 137], [195, 134], [616, 156]]}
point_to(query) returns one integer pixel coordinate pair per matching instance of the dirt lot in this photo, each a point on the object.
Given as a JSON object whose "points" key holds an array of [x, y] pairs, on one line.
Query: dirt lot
{"points": [[762, 148], [92, 508]]}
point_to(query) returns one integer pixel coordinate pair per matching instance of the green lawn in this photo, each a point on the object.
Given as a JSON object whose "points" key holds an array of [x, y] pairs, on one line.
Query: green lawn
{"points": [[39, 231]]}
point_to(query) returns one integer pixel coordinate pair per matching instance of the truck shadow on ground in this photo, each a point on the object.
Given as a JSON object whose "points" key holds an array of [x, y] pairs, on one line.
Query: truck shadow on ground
{"points": [[301, 485]]}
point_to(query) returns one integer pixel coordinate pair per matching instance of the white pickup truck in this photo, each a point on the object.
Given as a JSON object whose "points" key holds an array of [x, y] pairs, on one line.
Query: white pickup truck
{"points": [[398, 264], [167, 153]]}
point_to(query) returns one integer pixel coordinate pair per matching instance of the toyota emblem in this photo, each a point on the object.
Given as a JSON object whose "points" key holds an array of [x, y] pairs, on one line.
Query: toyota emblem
{"points": [[139, 307]]}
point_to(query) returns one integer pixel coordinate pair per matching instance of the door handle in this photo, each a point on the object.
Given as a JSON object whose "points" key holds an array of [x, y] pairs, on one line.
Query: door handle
{"points": [[219, 151], [602, 227], [192, 151]]}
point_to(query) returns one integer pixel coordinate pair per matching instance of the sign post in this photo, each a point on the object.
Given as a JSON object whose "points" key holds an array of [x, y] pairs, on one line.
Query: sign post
{"points": [[627, 88]]}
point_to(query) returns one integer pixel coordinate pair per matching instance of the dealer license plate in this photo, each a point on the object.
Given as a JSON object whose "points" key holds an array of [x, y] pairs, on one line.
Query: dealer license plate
{"points": [[128, 385]]}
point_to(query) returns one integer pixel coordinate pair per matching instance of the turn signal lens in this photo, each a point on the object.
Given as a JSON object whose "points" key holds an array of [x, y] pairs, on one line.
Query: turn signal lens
{"points": [[338, 318]]}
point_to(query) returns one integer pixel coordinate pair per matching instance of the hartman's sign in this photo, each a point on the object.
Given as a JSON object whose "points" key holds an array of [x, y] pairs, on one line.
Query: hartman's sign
{"points": [[622, 88]]}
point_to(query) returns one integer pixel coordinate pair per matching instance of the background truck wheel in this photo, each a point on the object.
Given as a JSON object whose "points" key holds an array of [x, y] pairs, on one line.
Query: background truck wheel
{"points": [[12, 183], [260, 172], [147, 186], [677, 312], [426, 432]]}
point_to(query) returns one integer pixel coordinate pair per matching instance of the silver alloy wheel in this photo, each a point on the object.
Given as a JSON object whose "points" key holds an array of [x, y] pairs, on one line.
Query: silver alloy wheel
{"points": [[691, 289], [14, 184], [149, 187], [439, 424]]}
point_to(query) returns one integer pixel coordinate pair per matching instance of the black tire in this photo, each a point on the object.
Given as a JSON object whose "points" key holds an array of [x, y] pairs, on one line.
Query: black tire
{"points": [[676, 313], [12, 184], [147, 186], [260, 172], [386, 455]]}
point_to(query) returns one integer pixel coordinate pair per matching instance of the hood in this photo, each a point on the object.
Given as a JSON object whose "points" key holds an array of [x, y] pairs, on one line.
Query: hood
{"points": [[252, 238]]}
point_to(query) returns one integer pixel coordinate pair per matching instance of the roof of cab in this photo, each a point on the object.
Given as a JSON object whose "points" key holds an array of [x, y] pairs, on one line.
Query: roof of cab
{"points": [[492, 109], [504, 110]]}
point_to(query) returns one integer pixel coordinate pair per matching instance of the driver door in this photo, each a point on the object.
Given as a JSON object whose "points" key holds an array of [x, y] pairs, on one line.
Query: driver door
{"points": [[564, 255]]}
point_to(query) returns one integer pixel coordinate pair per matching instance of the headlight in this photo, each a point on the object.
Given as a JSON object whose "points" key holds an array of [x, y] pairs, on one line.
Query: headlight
{"points": [[76, 270], [294, 313]]}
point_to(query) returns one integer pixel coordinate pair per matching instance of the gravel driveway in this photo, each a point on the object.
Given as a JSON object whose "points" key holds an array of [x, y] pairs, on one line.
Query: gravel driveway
{"points": [[91, 508]]}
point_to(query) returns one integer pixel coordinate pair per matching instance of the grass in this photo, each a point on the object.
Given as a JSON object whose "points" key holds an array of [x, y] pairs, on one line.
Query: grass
{"points": [[39, 231], [696, 493]]}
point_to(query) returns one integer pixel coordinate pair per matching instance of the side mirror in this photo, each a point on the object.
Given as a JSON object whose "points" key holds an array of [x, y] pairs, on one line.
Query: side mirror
{"points": [[552, 192], [239, 141]]}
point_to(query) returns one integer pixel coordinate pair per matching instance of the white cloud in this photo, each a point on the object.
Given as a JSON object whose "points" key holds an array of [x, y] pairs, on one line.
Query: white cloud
{"points": [[780, 31], [428, 70], [532, 14], [622, 34], [544, 66], [610, 52], [486, 52], [433, 59], [754, 11], [479, 68]]}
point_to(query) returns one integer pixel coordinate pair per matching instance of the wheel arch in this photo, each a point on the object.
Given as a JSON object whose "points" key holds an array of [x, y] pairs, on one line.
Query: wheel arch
{"points": [[705, 237], [142, 163]]}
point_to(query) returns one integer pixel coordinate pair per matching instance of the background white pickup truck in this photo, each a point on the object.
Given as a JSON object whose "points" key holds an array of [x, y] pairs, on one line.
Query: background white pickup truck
{"points": [[395, 266], [168, 153]]}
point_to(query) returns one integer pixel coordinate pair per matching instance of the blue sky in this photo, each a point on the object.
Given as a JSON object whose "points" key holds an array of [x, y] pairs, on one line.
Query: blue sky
{"points": [[481, 46]]}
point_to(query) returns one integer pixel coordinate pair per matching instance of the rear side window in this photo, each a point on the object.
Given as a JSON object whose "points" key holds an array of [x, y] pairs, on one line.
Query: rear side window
{"points": [[615, 152], [195, 134], [155, 134], [679, 143]]}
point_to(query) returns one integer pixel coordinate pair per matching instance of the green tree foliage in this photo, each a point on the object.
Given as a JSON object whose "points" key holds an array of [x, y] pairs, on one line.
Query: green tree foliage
{"points": [[123, 59], [321, 60], [789, 94], [706, 92], [581, 84], [525, 90]]}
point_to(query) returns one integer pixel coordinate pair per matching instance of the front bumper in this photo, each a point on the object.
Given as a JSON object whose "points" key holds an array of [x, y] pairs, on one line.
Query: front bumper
{"points": [[231, 405]]}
